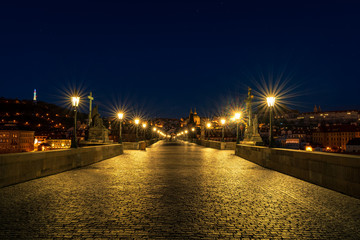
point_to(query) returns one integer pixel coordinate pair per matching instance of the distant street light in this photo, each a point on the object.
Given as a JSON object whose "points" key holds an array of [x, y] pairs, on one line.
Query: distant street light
{"points": [[137, 121], [237, 119], [271, 103], [120, 116], [208, 125], [152, 134], [75, 100], [144, 125], [223, 121]]}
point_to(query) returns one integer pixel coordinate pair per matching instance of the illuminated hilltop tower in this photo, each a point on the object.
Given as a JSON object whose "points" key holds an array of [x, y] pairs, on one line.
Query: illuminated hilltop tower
{"points": [[35, 98]]}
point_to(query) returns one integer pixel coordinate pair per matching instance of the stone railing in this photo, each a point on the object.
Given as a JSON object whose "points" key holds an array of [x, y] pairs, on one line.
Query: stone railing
{"points": [[141, 145], [216, 144], [20, 167], [338, 172]]}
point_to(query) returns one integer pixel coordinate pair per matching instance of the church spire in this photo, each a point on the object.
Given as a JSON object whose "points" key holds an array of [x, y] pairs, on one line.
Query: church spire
{"points": [[315, 109], [191, 111], [195, 111]]}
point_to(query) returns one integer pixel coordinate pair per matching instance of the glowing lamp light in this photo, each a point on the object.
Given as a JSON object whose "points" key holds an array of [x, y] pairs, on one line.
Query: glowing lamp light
{"points": [[237, 115], [186, 131], [144, 125], [270, 101], [208, 125], [137, 121], [309, 148], [120, 115], [193, 129], [75, 101], [223, 121], [154, 129]]}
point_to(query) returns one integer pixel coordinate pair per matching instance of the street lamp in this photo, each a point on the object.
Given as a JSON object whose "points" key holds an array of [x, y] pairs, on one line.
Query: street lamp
{"points": [[137, 121], [237, 119], [271, 103], [193, 134], [187, 136], [208, 125], [223, 121], [120, 116], [144, 128], [75, 100], [154, 130]]}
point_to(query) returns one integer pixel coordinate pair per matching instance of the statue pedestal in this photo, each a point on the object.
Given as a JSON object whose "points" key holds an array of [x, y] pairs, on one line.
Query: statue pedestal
{"points": [[98, 134], [254, 140]]}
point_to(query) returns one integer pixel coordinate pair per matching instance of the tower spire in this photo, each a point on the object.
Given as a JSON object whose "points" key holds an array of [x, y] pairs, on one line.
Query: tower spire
{"points": [[35, 97]]}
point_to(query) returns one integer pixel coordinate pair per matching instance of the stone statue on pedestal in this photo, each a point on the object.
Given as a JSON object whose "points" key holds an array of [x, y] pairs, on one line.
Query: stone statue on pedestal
{"points": [[251, 135], [97, 130], [249, 129], [256, 138]]}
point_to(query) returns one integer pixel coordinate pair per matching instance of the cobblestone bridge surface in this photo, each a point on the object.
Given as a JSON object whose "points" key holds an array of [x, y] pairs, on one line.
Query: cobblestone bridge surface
{"points": [[176, 191]]}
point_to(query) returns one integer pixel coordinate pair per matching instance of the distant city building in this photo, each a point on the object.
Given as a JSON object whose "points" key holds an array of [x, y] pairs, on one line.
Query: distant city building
{"points": [[353, 146], [44, 118], [344, 117], [192, 121], [12, 141], [335, 137], [58, 143]]}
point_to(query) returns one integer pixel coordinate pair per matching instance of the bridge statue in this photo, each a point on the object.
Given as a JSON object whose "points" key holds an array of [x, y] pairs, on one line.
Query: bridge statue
{"points": [[97, 130], [251, 135]]}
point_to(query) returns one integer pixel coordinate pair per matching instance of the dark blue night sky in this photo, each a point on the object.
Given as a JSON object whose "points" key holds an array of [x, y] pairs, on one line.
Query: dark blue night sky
{"points": [[164, 57]]}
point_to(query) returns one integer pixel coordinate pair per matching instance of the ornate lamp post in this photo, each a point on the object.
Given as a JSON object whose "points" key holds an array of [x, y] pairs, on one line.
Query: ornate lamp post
{"points": [[208, 126], [120, 116], [237, 119], [271, 103], [193, 133], [75, 100], [137, 121], [154, 130], [144, 129], [223, 121]]}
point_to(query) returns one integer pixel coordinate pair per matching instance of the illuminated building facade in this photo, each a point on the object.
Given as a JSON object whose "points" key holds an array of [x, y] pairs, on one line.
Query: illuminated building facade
{"points": [[344, 117], [12, 141], [335, 137], [59, 143], [353, 146]]}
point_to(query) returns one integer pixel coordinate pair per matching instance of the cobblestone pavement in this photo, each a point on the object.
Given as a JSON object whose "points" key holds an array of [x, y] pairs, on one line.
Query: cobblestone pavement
{"points": [[175, 191]]}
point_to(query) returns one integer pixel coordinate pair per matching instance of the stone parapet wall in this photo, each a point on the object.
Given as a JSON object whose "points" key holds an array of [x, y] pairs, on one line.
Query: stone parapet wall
{"points": [[141, 145], [334, 171], [20, 167], [216, 144], [151, 142]]}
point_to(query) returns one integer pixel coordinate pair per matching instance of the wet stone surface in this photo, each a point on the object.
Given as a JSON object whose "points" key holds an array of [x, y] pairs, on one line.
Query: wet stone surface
{"points": [[175, 191]]}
